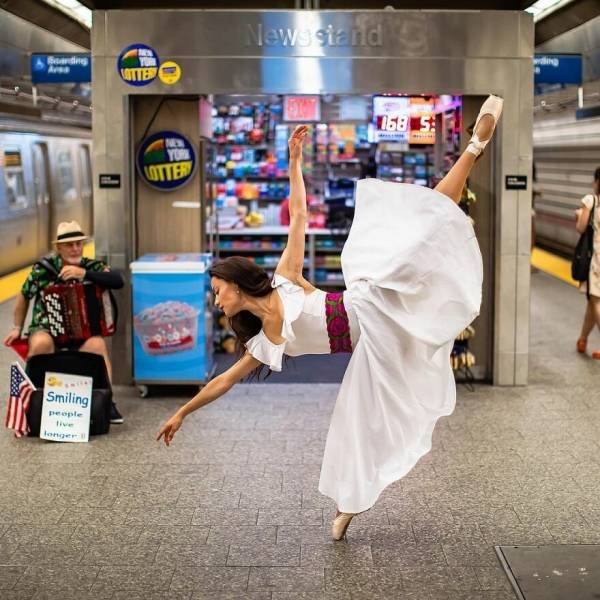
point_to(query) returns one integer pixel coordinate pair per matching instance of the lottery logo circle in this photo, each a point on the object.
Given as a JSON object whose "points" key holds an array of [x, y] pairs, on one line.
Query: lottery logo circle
{"points": [[138, 65], [166, 160]]}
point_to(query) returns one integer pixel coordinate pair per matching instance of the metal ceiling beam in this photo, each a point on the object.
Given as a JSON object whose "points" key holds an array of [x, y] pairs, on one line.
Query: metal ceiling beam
{"points": [[566, 18], [49, 18], [322, 4]]}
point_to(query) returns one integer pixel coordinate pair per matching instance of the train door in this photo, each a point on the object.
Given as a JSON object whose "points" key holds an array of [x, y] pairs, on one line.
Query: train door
{"points": [[45, 225], [85, 168]]}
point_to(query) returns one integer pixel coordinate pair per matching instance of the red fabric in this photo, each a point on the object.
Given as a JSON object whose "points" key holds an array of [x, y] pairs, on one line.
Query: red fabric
{"points": [[338, 326], [21, 347]]}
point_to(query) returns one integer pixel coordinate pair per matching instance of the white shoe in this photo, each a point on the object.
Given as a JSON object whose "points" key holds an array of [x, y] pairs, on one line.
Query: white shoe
{"points": [[340, 525], [492, 106]]}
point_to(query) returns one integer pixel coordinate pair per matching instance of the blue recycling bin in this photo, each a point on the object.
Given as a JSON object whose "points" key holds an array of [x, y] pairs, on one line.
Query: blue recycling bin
{"points": [[172, 319]]}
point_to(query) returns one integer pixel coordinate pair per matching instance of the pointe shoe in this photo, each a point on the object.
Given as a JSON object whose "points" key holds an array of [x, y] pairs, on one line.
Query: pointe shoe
{"points": [[581, 345], [493, 107], [340, 525]]}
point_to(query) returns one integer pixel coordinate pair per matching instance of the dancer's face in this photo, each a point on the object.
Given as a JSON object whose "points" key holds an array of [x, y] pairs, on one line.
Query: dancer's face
{"points": [[227, 296]]}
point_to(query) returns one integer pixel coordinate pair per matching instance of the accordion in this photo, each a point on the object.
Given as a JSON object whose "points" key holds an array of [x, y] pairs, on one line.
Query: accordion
{"points": [[78, 311]]}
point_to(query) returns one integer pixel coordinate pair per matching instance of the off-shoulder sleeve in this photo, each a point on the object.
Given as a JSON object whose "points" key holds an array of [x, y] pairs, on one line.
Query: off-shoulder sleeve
{"points": [[588, 201], [263, 349], [292, 296]]}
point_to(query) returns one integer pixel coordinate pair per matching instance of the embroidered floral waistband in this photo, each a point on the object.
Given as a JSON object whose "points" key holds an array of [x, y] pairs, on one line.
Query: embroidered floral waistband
{"points": [[338, 326]]}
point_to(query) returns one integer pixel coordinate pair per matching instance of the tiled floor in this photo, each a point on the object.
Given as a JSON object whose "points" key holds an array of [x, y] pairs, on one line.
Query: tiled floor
{"points": [[232, 509]]}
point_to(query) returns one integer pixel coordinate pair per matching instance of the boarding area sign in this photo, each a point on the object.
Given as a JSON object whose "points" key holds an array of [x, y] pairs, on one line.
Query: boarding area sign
{"points": [[66, 408], [61, 68], [563, 69]]}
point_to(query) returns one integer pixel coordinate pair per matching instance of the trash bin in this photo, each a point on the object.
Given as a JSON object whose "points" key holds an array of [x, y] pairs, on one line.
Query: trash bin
{"points": [[172, 320]]}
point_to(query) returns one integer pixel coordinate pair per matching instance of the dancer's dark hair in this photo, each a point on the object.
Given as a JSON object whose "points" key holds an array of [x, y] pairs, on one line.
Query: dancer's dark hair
{"points": [[597, 174], [252, 280]]}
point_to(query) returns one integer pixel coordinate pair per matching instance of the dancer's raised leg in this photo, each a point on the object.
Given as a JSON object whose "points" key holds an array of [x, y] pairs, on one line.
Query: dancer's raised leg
{"points": [[453, 183]]}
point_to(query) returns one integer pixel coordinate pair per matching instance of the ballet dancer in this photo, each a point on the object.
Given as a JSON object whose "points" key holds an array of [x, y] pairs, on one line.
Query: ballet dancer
{"points": [[413, 272]]}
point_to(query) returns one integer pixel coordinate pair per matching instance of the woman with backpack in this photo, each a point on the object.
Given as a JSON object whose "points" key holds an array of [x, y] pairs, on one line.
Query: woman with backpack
{"points": [[587, 215]]}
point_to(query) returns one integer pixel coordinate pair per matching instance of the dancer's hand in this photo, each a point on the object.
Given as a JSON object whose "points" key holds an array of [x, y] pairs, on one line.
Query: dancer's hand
{"points": [[169, 429], [296, 140]]}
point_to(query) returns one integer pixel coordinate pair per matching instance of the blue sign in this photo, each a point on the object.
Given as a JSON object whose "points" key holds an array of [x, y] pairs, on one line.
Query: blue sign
{"points": [[61, 68], [557, 68], [166, 160], [138, 64]]}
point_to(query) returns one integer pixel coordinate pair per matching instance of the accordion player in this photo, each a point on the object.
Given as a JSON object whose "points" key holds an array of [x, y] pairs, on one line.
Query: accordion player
{"points": [[78, 311]]}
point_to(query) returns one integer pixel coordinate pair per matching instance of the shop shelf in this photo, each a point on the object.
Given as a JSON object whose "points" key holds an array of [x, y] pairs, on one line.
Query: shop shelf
{"points": [[243, 145], [251, 178], [251, 250], [268, 199]]}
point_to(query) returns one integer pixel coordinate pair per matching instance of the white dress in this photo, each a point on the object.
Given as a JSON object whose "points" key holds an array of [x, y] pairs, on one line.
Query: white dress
{"points": [[414, 272]]}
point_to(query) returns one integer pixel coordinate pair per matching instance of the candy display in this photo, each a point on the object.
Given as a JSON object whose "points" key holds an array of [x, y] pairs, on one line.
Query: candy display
{"points": [[251, 178], [167, 327]]}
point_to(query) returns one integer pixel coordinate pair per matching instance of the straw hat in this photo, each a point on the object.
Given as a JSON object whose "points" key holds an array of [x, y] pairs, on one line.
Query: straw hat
{"points": [[69, 232]]}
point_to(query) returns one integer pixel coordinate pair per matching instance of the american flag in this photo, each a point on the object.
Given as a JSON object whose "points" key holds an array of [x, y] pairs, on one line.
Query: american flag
{"points": [[18, 402]]}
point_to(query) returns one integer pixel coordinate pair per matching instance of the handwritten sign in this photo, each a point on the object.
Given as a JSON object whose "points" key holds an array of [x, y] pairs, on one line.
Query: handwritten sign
{"points": [[66, 408]]}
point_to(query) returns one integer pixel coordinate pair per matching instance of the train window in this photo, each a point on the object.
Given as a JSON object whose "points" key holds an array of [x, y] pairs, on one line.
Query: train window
{"points": [[66, 181], [14, 178]]}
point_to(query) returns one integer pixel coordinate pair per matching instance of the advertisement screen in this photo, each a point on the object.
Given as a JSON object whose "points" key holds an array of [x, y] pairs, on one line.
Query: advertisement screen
{"points": [[422, 121], [409, 119], [391, 118]]}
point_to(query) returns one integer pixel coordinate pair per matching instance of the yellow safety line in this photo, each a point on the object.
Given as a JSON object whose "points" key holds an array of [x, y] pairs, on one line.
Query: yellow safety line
{"points": [[11, 284], [553, 265]]}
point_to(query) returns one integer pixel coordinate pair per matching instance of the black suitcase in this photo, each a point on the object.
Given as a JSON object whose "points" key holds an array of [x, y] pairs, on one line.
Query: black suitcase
{"points": [[71, 362]]}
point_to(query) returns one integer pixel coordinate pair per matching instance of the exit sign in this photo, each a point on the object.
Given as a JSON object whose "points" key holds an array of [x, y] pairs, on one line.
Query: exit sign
{"points": [[302, 108]]}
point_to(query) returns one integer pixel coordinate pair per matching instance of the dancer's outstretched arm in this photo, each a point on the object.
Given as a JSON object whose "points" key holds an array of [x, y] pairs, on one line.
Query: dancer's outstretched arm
{"points": [[291, 262], [211, 391]]}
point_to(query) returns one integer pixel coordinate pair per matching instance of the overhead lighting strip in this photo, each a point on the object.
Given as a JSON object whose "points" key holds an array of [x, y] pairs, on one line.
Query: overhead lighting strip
{"points": [[542, 8], [73, 9]]}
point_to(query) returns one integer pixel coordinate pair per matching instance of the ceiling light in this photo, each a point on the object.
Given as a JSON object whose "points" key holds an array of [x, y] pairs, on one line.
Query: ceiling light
{"points": [[73, 9], [542, 8]]}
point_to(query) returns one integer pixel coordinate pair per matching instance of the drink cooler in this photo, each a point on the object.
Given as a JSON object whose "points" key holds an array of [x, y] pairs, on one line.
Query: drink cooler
{"points": [[171, 348]]}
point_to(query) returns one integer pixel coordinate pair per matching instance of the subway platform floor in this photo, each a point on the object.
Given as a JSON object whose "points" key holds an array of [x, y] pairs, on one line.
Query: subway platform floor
{"points": [[232, 510]]}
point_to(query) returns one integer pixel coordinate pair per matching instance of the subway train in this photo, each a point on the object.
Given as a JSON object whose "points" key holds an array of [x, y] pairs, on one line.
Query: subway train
{"points": [[45, 178], [566, 152]]}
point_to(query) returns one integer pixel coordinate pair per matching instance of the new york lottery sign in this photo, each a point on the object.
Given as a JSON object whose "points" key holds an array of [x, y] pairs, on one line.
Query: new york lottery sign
{"points": [[66, 408]]}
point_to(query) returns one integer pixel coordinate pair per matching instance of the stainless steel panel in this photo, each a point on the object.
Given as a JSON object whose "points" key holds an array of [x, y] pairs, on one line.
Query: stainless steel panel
{"points": [[334, 34]]}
